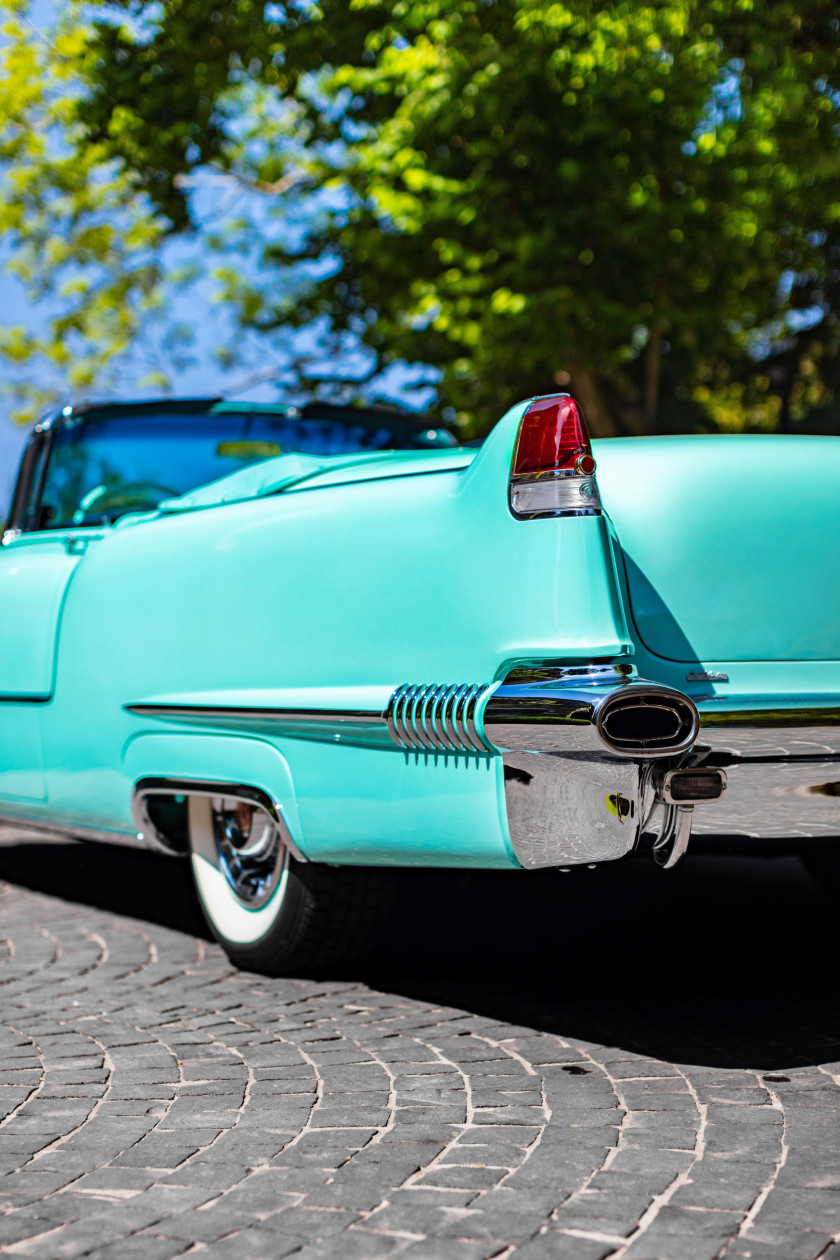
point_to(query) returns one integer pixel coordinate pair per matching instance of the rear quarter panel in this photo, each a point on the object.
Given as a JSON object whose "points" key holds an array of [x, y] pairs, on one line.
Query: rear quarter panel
{"points": [[414, 579]]}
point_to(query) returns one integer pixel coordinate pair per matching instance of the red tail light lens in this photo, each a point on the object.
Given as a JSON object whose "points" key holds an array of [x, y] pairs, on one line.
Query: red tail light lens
{"points": [[553, 437], [553, 468]]}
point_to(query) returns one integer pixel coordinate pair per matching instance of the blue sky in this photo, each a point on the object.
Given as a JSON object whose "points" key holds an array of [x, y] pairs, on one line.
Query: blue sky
{"points": [[11, 442]]}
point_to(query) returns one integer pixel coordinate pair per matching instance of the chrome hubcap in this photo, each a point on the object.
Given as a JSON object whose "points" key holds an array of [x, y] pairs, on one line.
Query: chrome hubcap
{"points": [[251, 853]]}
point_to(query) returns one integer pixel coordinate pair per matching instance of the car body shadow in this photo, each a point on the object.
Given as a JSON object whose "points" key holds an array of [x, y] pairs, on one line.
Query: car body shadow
{"points": [[125, 881], [728, 962]]}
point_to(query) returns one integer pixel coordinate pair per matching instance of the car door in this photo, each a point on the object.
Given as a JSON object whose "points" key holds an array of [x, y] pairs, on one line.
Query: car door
{"points": [[36, 567]]}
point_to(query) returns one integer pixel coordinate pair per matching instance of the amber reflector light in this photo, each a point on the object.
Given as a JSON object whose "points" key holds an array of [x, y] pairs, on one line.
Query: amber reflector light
{"points": [[553, 437]]}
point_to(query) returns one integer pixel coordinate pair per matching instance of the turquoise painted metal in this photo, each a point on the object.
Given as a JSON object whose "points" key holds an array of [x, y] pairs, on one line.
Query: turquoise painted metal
{"points": [[319, 583], [729, 544]]}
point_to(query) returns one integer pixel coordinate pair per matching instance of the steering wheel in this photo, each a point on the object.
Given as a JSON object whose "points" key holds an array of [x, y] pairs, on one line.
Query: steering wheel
{"points": [[129, 496]]}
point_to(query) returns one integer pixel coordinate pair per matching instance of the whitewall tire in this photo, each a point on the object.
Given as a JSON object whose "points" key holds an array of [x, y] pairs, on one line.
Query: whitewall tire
{"points": [[268, 910]]}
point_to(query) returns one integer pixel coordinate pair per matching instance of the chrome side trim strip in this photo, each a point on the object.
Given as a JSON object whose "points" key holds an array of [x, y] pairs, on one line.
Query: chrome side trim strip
{"points": [[449, 734], [415, 717], [188, 711], [471, 709], [343, 726], [460, 712], [392, 715], [769, 712], [408, 697], [434, 729]]}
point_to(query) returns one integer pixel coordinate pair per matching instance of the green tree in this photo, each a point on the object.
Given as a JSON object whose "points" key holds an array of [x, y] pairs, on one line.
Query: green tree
{"points": [[77, 232], [635, 199]]}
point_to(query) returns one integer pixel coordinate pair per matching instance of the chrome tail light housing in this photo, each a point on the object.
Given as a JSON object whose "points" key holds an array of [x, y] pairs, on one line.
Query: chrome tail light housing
{"points": [[553, 469]]}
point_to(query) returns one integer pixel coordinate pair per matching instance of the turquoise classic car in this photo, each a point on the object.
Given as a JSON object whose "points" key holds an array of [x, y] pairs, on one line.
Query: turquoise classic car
{"points": [[257, 639]]}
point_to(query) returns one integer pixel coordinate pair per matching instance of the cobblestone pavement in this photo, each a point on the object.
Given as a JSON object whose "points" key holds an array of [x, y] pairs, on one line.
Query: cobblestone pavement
{"points": [[618, 1064]]}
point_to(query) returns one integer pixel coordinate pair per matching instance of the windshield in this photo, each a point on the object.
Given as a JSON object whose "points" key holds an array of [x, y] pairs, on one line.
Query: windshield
{"points": [[102, 466]]}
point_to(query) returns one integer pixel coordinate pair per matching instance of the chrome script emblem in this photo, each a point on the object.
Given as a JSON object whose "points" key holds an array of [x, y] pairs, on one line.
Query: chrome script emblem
{"points": [[703, 675]]}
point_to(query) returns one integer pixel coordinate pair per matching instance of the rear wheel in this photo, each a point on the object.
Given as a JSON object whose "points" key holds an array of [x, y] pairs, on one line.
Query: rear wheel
{"points": [[269, 911]]}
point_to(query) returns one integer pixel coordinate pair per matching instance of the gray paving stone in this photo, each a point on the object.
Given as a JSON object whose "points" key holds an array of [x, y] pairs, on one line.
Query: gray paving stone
{"points": [[140, 1247], [251, 1150], [697, 1222], [254, 1244], [354, 1245], [808, 1246], [657, 1245], [462, 1176], [555, 1245], [450, 1249]]}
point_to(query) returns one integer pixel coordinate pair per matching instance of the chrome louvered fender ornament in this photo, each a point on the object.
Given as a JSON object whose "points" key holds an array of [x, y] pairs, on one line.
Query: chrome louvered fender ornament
{"points": [[590, 709], [437, 718]]}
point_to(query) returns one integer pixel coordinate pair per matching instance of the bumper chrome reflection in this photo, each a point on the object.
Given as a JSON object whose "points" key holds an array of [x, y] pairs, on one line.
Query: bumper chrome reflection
{"points": [[781, 756], [582, 747]]}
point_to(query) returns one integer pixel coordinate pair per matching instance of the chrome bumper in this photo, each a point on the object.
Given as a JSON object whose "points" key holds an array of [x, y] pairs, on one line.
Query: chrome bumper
{"points": [[573, 799], [782, 761], [582, 748], [572, 809]]}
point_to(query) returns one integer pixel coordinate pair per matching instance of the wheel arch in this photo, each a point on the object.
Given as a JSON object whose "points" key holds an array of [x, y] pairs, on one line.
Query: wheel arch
{"points": [[165, 767]]}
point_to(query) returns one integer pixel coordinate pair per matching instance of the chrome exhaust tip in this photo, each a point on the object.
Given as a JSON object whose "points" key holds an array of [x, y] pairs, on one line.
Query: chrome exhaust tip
{"points": [[574, 711], [645, 721]]}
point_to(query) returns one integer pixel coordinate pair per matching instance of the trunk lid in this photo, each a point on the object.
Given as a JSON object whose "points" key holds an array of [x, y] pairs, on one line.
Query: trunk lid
{"points": [[731, 543]]}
